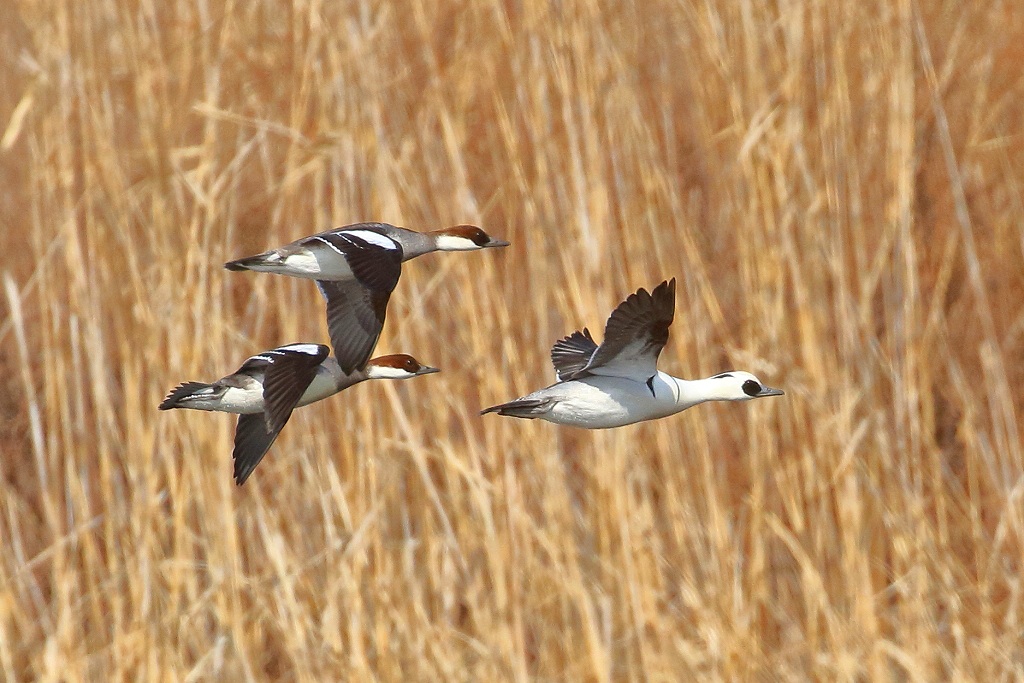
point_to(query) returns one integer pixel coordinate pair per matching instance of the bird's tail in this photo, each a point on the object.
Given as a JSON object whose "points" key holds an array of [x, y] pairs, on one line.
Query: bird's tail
{"points": [[265, 261], [527, 408], [189, 392]]}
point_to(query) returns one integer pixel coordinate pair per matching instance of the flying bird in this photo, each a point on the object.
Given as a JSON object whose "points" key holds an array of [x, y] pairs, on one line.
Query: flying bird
{"points": [[357, 268], [270, 385], [617, 382]]}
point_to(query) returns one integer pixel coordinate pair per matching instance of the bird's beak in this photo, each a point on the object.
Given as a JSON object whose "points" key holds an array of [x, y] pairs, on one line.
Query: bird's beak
{"points": [[496, 243], [427, 370], [768, 391]]}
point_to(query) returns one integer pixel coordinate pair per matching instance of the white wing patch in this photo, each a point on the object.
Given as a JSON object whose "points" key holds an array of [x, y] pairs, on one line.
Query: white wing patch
{"points": [[308, 349], [374, 238], [328, 243]]}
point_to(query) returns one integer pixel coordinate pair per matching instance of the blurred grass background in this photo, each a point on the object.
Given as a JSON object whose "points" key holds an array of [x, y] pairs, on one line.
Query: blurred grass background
{"points": [[837, 187]]}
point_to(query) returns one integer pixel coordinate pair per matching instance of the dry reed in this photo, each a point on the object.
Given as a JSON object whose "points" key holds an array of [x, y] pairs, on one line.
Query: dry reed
{"points": [[836, 186]]}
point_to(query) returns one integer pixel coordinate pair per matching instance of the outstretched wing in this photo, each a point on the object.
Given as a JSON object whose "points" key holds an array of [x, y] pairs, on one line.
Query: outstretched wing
{"points": [[286, 378], [356, 308], [571, 354], [355, 318], [636, 332], [287, 373], [374, 258], [252, 441]]}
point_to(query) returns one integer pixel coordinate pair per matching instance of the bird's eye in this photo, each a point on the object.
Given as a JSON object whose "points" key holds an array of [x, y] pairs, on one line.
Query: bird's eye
{"points": [[480, 237], [411, 365], [751, 388]]}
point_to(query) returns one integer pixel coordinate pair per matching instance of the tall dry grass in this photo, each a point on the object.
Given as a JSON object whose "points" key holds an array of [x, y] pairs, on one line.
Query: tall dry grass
{"points": [[837, 187]]}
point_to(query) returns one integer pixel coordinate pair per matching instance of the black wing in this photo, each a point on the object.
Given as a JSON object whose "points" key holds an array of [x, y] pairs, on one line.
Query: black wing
{"points": [[375, 259], [355, 318], [356, 308], [252, 441], [287, 373], [571, 354], [254, 365], [636, 332], [286, 378]]}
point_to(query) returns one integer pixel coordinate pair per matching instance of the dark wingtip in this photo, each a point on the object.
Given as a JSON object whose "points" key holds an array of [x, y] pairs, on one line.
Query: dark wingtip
{"points": [[236, 265], [667, 288], [242, 470], [492, 409]]}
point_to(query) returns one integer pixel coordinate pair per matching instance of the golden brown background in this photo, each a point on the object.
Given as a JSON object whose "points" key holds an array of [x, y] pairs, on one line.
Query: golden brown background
{"points": [[836, 185]]}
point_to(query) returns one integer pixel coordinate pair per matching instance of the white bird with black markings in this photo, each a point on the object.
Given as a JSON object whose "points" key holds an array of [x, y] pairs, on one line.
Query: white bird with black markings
{"points": [[270, 385], [357, 268], [618, 382]]}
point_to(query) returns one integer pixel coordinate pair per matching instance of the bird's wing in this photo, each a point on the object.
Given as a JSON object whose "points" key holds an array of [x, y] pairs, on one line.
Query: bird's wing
{"points": [[356, 308], [253, 365], [375, 258], [253, 439], [355, 317], [571, 354], [286, 378], [636, 332], [287, 373]]}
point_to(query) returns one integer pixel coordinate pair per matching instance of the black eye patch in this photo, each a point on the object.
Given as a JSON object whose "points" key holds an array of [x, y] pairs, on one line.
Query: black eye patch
{"points": [[751, 388]]}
